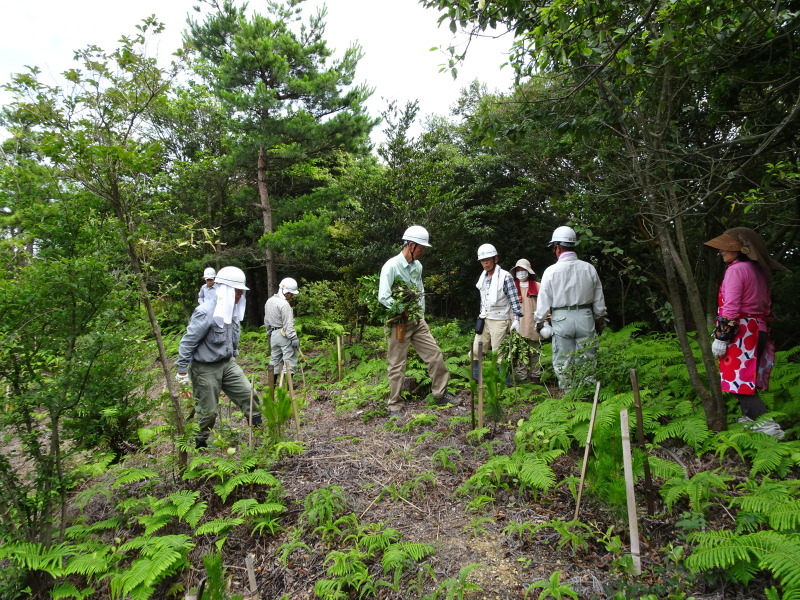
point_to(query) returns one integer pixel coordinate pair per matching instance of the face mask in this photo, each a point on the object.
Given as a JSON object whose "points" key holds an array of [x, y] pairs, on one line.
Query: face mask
{"points": [[522, 275]]}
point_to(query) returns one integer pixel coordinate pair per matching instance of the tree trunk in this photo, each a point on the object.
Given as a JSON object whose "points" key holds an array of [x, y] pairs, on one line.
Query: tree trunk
{"points": [[266, 213]]}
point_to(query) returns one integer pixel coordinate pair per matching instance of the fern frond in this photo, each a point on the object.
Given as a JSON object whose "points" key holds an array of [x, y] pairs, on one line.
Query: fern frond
{"points": [[665, 469], [133, 475], [249, 507], [64, 591], [89, 564], [396, 555], [218, 526]]}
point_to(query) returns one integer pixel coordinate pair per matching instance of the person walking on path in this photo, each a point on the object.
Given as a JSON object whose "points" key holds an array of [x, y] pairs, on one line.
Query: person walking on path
{"points": [[207, 291], [572, 294], [279, 321], [406, 268], [528, 291], [207, 352], [501, 310], [742, 342]]}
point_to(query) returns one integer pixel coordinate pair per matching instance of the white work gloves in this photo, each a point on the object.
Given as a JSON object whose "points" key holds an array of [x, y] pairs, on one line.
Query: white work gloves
{"points": [[719, 348], [182, 378], [546, 332], [515, 325], [295, 342]]}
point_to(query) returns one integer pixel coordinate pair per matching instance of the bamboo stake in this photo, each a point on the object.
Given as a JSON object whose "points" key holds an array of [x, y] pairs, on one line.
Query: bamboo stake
{"points": [[339, 355], [628, 466], [480, 385], [250, 418], [251, 576], [471, 389], [586, 452], [288, 369], [271, 382], [648, 481]]}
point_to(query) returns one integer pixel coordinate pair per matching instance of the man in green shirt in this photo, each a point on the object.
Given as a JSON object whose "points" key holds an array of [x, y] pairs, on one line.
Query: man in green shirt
{"points": [[406, 267]]}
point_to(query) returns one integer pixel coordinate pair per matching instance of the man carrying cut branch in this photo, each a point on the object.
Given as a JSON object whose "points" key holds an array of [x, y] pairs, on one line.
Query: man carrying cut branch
{"points": [[408, 326]]}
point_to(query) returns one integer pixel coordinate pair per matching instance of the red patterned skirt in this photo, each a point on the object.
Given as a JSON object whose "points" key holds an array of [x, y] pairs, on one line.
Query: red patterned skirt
{"points": [[742, 370]]}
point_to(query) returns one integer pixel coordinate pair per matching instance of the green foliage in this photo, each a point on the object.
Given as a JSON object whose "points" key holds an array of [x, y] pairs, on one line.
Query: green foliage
{"points": [[701, 489], [276, 413], [216, 586], [572, 534], [552, 588], [454, 588], [160, 558], [404, 299], [740, 557], [444, 458], [523, 471], [323, 505]]}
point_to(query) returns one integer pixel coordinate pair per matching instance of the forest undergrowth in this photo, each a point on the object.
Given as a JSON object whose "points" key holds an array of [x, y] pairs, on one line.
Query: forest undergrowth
{"points": [[426, 505]]}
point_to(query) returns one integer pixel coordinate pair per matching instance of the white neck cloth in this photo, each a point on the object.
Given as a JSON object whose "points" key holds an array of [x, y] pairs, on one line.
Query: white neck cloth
{"points": [[227, 309]]}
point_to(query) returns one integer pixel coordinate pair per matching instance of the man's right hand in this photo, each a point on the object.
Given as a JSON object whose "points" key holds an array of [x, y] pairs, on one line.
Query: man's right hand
{"points": [[182, 378]]}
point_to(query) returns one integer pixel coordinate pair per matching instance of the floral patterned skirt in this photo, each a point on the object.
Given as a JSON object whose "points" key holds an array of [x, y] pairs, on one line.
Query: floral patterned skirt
{"points": [[742, 370]]}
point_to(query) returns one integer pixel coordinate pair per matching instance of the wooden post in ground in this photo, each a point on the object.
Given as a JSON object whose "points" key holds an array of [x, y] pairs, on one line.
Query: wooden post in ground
{"points": [[250, 418], [480, 385], [633, 521], [251, 577], [648, 480], [339, 355], [271, 382], [288, 368], [586, 452]]}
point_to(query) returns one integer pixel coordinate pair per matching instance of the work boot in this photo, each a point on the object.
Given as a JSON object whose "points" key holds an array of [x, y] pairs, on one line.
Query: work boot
{"points": [[257, 419], [448, 398], [394, 409], [768, 426]]}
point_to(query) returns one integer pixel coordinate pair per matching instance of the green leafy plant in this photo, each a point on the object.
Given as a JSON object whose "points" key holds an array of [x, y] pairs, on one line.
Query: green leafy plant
{"points": [[701, 489], [454, 588], [552, 588]]}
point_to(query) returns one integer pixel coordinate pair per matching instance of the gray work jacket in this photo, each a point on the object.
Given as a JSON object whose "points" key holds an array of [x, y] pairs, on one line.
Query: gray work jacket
{"points": [[204, 341]]}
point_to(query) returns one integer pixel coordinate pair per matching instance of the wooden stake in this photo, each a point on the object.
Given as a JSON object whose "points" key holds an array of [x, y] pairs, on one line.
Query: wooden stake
{"points": [[271, 382], [251, 576], [480, 385], [250, 419], [471, 390], [586, 452], [339, 355], [648, 481], [633, 521], [288, 368]]}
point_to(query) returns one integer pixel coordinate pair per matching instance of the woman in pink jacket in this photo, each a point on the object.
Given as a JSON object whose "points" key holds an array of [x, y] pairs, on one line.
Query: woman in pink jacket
{"points": [[742, 342]]}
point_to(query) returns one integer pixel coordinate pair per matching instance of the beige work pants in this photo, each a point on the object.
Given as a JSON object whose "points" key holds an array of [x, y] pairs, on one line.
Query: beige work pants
{"points": [[494, 332], [418, 335]]}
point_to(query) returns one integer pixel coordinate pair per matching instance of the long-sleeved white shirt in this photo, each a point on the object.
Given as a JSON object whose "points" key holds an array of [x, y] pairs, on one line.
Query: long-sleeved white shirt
{"points": [[570, 282], [278, 314]]}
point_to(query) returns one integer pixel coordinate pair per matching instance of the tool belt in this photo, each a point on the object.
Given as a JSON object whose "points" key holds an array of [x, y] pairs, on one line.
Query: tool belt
{"points": [[573, 307]]}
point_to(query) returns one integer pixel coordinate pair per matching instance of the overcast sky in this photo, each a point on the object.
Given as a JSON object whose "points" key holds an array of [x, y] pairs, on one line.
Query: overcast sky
{"points": [[396, 36]]}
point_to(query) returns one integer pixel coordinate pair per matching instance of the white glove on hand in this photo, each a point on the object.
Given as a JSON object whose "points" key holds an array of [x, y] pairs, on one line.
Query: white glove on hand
{"points": [[182, 378], [719, 348], [515, 325]]}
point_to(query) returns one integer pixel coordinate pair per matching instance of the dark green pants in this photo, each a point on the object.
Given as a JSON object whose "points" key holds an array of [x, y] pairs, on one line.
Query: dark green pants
{"points": [[209, 380]]}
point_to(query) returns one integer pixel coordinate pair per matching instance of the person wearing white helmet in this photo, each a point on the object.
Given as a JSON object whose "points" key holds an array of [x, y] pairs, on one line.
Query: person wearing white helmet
{"points": [[572, 294], [207, 352], [407, 268], [279, 322], [528, 291], [500, 309], [206, 292]]}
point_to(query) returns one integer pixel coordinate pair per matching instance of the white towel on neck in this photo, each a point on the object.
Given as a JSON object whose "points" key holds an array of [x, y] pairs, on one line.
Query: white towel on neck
{"points": [[227, 309], [495, 287]]}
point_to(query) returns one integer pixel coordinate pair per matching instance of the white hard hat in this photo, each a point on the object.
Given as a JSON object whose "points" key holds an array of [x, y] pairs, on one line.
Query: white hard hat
{"points": [[232, 276], [486, 251], [524, 263], [288, 286], [564, 236], [209, 273], [546, 332], [417, 234]]}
